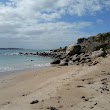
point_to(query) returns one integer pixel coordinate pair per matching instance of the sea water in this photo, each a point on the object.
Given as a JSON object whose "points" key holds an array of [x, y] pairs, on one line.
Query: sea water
{"points": [[10, 60]]}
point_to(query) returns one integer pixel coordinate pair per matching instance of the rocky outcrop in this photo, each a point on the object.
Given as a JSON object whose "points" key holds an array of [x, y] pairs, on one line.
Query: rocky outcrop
{"points": [[94, 43], [81, 59], [84, 52]]}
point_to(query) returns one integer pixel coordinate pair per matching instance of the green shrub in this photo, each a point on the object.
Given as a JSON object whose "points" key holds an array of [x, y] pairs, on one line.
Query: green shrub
{"points": [[80, 40]]}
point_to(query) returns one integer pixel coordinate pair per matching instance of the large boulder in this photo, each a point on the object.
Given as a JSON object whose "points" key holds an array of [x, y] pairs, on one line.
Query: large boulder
{"points": [[56, 61], [73, 49], [99, 53]]}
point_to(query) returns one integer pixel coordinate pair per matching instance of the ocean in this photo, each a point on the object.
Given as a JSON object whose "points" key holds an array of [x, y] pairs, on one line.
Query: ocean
{"points": [[10, 60]]}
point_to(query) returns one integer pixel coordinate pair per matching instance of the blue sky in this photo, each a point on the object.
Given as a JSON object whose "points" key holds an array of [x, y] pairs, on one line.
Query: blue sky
{"points": [[46, 24]]}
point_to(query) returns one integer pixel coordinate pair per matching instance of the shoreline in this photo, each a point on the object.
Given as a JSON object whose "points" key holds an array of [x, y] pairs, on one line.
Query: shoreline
{"points": [[15, 72], [62, 87]]}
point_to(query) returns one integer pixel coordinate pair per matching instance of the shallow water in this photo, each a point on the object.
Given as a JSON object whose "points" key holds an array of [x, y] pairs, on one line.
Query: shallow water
{"points": [[10, 60]]}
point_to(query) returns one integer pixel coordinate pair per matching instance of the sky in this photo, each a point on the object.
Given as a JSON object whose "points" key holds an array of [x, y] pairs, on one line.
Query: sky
{"points": [[48, 24]]}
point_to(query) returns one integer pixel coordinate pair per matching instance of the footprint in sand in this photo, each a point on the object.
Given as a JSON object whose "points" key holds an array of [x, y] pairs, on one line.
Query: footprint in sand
{"points": [[6, 103]]}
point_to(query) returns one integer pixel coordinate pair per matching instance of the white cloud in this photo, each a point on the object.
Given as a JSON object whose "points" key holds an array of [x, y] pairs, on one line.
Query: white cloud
{"points": [[99, 21], [44, 35], [38, 20], [51, 9]]}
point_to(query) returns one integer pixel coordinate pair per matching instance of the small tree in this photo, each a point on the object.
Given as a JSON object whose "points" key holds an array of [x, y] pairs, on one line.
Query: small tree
{"points": [[80, 40]]}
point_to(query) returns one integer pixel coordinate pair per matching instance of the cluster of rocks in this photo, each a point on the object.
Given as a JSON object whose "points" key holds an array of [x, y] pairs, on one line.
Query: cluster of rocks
{"points": [[73, 55], [56, 53], [70, 55], [84, 52], [44, 54]]}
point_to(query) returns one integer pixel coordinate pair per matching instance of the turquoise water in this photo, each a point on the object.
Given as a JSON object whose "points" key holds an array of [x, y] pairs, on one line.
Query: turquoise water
{"points": [[10, 60]]}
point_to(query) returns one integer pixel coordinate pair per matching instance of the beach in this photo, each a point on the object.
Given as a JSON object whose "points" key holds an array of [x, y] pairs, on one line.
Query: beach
{"points": [[74, 87]]}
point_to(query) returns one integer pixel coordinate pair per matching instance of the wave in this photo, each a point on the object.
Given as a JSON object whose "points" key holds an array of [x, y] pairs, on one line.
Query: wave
{"points": [[42, 65], [8, 54], [6, 69], [9, 69]]}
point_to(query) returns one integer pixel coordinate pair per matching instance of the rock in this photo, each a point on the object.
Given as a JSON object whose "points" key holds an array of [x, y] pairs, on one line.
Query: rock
{"points": [[73, 49], [95, 62], [91, 107], [76, 63], [34, 102], [83, 58], [83, 97], [34, 54], [56, 61], [75, 58], [58, 56], [70, 62], [63, 62], [52, 108], [83, 61], [21, 53], [95, 104], [99, 53], [88, 60], [63, 56], [79, 86], [86, 99]]}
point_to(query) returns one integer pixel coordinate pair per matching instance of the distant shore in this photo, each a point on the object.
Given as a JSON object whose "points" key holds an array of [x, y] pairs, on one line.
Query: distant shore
{"points": [[11, 49]]}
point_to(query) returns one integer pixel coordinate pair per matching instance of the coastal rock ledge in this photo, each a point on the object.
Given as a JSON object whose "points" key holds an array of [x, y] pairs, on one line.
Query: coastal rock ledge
{"points": [[86, 51]]}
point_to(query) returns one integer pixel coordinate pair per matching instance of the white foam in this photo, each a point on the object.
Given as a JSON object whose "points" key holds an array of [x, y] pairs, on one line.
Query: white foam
{"points": [[8, 69], [5, 69], [42, 65], [9, 54]]}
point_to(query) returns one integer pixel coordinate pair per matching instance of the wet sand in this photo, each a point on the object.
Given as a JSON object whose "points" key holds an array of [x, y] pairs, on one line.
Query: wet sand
{"points": [[58, 88]]}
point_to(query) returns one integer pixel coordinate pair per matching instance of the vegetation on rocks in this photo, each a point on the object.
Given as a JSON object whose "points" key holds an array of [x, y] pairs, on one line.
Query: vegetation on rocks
{"points": [[94, 43]]}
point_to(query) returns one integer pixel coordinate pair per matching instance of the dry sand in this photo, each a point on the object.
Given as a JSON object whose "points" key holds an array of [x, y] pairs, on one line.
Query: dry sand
{"points": [[58, 88]]}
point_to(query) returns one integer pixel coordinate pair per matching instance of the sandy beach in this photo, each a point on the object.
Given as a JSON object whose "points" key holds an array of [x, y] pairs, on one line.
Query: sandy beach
{"points": [[58, 88]]}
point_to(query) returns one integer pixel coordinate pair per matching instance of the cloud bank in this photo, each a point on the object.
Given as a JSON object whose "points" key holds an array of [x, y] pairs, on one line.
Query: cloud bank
{"points": [[41, 24]]}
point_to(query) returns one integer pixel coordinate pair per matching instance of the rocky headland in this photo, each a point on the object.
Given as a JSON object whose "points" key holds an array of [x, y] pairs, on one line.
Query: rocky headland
{"points": [[84, 52]]}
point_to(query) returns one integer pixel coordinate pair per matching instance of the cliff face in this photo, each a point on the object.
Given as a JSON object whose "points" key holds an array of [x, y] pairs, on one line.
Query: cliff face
{"points": [[95, 43]]}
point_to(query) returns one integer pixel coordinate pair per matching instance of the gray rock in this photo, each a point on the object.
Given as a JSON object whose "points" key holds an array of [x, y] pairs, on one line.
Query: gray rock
{"points": [[21, 53], [73, 49], [75, 58], [63, 56], [34, 102], [56, 61], [99, 53], [88, 60], [63, 62], [95, 62], [83, 58], [70, 62], [76, 63], [58, 56]]}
